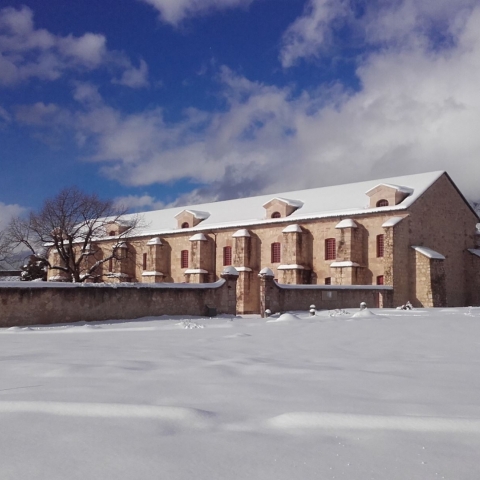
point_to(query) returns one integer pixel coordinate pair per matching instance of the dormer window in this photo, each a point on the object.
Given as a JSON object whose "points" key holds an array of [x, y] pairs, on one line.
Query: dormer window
{"points": [[386, 194], [190, 218], [281, 207]]}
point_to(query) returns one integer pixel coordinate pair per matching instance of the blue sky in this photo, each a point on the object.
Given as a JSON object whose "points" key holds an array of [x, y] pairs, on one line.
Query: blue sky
{"points": [[161, 102]]}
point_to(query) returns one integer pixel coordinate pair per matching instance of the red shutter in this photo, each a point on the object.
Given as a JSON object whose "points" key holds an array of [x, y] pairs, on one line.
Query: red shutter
{"points": [[184, 259], [227, 256], [330, 249], [276, 249], [380, 245]]}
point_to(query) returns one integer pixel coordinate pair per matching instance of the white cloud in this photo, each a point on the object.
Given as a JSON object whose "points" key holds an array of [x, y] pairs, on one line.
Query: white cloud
{"points": [[135, 77], [313, 30], [398, 24], [418, 109], [7, 212], [27, 52], [138, 203], [174, 11]]}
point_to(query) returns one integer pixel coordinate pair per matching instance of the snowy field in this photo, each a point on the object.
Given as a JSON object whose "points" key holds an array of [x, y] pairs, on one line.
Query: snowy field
{"points": [[389, 396]]}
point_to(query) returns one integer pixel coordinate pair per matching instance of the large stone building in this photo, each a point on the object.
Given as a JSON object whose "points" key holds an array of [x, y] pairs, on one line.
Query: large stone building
{"points": [[416, 233]]}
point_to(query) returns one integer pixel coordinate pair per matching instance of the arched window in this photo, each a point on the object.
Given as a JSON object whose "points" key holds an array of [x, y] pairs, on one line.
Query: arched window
{"points": [[276, 252], [380, 245], [144, 263], [185, 225], [184, 259], [380, 280], [227, 256], [276, 215], [330, 249], [382, 203]]}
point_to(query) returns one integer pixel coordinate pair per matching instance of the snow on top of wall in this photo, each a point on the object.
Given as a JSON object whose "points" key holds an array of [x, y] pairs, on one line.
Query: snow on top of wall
{"points": [[198, 237], [333, 288], [241, 233], [292, 266], [347, 223], [391, 222], [475, 251], [19, 284], [155, 241], [267, 272], [292, 229], [334, 201], [428, 252], [195, 270], [230, 271], [346, 263]]}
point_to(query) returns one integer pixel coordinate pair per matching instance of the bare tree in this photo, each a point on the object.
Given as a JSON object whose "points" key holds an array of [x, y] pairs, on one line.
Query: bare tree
{"points": [[64, 232], [6, 248]]}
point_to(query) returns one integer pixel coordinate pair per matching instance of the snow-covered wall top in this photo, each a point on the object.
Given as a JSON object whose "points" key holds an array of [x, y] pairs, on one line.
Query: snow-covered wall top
{"points": [[334, 201]]}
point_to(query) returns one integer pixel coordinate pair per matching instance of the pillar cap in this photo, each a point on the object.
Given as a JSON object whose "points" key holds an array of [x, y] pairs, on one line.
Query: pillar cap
{"points": [[230, 271], [266, 272]]}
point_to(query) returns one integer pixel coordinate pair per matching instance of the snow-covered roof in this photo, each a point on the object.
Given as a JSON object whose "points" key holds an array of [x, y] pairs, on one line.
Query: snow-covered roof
{"points": [[391, 222], [292, 229], [347, 223], [335, 201], [428, 252]]}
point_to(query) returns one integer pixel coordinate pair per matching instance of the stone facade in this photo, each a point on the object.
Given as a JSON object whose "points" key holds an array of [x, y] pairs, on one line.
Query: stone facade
{"points": [[369, 245]]}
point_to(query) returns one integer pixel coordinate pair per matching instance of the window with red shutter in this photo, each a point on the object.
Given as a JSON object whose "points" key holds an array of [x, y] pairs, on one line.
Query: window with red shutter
{"points": [[276, 249], [110, 264], [380, 280], [227, 256], [330, 249], [328, 281], [144, 261], [184, 259], [380, 245]]}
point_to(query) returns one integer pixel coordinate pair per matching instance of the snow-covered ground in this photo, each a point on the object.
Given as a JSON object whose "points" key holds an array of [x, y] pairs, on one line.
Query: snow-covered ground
{"points": [[389, 396]]}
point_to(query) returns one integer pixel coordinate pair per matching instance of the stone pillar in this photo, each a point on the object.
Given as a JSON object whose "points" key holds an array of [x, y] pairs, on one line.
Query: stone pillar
{"points": [[157, 266], [201, 259], [230, 275], [269, 293], [347, 269], [293, 256], [247, 284]]}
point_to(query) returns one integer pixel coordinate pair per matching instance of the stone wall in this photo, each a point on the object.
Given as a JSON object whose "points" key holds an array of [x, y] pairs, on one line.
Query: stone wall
{"points": [[31, 303], [281, 298]]}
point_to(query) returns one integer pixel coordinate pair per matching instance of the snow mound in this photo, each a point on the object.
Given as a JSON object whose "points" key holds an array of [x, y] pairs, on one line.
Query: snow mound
{"points": [[365, 313], [285, 317], [238, 335], [189, 325]]}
